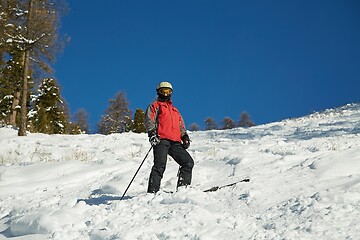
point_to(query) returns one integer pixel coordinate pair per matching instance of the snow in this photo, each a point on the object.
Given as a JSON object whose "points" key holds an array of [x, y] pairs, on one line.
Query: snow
{"points": [[305, 184]]}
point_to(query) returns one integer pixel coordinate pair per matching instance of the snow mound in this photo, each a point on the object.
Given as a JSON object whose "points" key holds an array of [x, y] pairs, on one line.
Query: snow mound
{"points": [[305, 184]]}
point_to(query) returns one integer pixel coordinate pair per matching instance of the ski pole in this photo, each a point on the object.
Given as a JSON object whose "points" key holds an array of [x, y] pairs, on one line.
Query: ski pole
{"points": [[178, 175], [136, 173]]}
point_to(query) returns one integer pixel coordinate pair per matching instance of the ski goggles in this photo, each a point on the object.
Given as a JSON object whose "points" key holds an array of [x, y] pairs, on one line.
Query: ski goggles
{"points": [[165, 91]]}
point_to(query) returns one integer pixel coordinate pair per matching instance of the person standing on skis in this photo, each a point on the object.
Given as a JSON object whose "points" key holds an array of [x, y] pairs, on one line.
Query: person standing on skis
{"points": [[167, 134]]}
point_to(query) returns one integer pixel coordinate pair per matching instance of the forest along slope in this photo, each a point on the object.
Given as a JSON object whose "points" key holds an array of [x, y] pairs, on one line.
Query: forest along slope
{"points": [[305, 183]]}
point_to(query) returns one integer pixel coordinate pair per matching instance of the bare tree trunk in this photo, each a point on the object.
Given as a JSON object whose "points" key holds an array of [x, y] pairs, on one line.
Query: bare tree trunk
{"points": [[23, 109], [14, 110], [26, 66]]}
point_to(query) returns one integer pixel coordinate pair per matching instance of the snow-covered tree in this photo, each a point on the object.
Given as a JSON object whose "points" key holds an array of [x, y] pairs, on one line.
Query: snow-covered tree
{"points": [[49, 111], [117, 118], [10, 85], [30, 28]]}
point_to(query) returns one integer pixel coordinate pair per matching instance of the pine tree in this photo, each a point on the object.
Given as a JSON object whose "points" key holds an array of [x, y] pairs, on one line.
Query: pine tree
{"points": [[10, 85], [117, 118], [228, 123], [210, 124], [3, 20], [31, 28], [245, 120], [49, 114], [194, 127], [81, 120], [138, 124], [73, 129]]}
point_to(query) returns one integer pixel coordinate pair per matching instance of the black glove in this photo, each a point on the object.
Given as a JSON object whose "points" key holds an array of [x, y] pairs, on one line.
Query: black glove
{"points": [[153, 138], [185, 141]]}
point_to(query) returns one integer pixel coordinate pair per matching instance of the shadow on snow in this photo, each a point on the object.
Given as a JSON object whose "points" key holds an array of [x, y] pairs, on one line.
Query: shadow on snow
{"points": [[102, 199]]}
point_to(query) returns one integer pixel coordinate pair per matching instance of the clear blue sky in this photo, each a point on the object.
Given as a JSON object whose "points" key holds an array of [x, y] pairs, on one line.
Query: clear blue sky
{"points": [[274, 59]]}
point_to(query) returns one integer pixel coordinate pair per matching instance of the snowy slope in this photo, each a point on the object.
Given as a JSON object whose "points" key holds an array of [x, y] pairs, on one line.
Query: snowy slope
{"points": [[305, 184]]}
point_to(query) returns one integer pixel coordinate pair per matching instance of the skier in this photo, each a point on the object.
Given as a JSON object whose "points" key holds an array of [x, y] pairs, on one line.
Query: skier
{"points": [[167, 134]]}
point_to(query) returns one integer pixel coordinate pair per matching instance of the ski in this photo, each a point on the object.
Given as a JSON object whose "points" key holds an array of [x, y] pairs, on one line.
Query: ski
{"points": [[210, 187], [215, 188], [97, 199]]}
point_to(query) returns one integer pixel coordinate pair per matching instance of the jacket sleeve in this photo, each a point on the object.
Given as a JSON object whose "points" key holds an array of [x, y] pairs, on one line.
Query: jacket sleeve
{"points": [[150, 121], [182, 126]]}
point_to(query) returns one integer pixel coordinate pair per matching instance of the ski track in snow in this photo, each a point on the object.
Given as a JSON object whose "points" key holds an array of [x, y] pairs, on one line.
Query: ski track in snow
{"points": [[305, 184]]}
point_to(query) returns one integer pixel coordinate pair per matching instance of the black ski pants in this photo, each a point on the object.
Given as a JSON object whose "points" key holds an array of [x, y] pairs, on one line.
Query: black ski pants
{"points": [[179, 154]]}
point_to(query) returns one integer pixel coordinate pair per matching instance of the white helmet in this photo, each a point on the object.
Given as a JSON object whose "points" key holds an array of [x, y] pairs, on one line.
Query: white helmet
{"points": [[164, 90], [164, 85]]}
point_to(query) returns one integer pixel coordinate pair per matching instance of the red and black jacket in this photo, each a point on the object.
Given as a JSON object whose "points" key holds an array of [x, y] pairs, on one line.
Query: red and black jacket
{"points": [[166, 120]]}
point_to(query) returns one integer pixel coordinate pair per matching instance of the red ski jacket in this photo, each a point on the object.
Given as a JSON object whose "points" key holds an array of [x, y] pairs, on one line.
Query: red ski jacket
{"points": [[166, 120]]}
